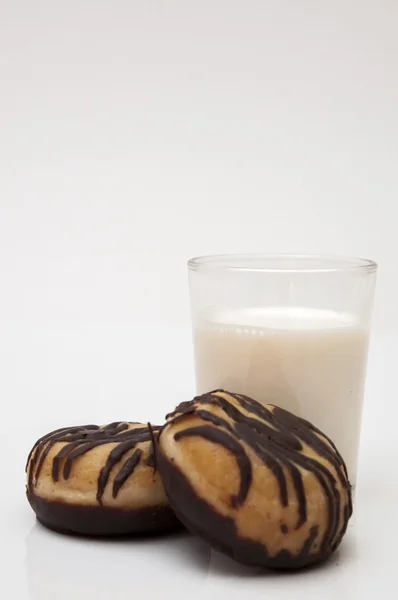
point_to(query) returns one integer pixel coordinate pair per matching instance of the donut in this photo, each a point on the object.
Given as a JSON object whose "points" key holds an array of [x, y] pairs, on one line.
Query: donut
{"points": [[257, 482], [98, 480]]}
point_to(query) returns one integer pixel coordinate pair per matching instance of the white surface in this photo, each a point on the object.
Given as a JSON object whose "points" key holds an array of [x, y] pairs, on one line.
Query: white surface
{"points": [[41, 565], [137, 134]]}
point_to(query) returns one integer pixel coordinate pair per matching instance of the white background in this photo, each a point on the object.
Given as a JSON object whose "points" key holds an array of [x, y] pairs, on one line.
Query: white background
{"points": [[135, 134]]}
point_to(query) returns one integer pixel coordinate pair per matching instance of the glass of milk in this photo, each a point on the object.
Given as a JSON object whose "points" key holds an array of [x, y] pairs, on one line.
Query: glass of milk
{"points": [[290, 330]]}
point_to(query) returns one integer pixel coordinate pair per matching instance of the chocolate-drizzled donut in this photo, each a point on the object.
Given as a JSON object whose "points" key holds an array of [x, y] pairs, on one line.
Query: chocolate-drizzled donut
{"points": [[258, 483], [98, 481]]}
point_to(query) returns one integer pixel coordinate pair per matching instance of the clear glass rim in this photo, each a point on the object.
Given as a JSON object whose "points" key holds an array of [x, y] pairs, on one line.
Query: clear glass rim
{"points": [[281, 263]]}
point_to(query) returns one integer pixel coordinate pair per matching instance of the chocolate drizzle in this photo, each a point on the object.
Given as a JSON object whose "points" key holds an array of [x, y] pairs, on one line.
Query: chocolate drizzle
{"points": [[80, 440], [278, 438], [227, 441]]}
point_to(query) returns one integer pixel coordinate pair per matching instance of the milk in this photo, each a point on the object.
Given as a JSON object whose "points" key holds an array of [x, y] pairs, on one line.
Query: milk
{"points": [[309, 361]]}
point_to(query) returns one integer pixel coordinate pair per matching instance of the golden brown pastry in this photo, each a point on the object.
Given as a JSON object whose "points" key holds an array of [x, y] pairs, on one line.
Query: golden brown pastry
{"points": [[257, 482], [98, 481]]}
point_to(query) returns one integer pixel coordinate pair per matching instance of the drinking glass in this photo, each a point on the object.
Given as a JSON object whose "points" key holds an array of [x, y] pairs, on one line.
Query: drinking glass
{"points": [[290, 330]]}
